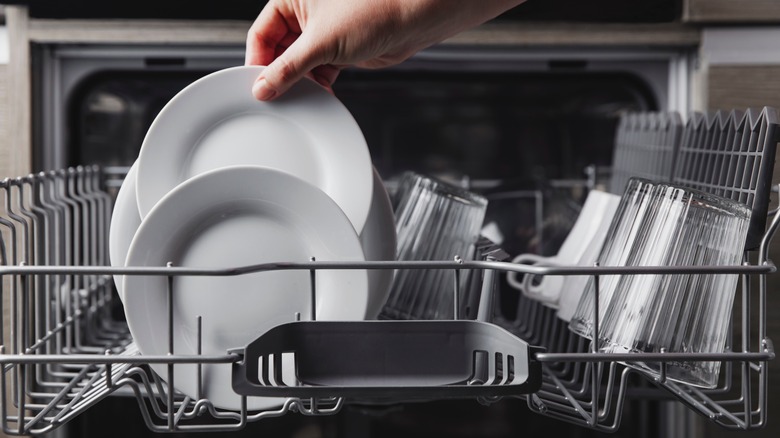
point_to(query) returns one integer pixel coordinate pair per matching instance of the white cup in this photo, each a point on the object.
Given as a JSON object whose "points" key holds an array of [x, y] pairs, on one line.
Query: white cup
{"points": [[588, 232], [574, 285]]}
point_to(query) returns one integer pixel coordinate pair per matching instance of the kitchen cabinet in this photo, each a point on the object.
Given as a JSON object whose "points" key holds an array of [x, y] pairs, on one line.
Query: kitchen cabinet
{"points": [[731, 11], [743, 86], [5, 153]]}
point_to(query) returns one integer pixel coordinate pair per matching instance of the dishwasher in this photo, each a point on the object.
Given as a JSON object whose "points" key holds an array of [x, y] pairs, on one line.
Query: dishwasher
{"points": [[66, 346]]}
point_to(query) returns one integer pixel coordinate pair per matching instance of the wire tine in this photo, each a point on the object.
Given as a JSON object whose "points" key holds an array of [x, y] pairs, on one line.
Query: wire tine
{"points": [[313, 283], [456, 290], [199, 365], [4, 389]]}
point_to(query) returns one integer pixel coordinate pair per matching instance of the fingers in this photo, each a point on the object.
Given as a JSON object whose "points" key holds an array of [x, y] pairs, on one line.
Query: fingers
{"points": [[276, 40], [285, 42], [326, 75], [265, 34], [290, 66]]}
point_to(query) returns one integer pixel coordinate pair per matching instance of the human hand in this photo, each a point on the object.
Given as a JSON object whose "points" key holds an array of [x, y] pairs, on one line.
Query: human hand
{"points": [[320, 37]]}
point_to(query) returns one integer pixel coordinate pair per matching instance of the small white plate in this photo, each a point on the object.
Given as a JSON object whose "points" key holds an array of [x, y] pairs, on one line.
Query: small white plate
{"points": [[234, 217], [378, 240], [125, 221], [216, 122]]}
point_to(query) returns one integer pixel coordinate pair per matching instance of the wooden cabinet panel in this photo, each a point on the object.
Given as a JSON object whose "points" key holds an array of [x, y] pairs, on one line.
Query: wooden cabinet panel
{"points": [[731, 11], [5, 108], [743, 86]]}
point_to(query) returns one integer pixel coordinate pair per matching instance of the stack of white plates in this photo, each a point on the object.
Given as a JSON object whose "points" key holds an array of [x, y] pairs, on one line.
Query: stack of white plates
{"points": [[224, 180]]}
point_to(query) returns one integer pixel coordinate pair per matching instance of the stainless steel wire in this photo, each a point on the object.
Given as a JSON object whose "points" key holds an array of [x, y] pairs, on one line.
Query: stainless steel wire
{"points": [[63, 349]]}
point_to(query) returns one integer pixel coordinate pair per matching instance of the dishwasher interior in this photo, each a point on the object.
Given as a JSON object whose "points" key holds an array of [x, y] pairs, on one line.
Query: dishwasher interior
{"points": [[67, 348]]}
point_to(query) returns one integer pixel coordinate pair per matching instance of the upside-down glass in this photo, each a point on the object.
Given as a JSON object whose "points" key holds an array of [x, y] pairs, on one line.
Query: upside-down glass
{"points": [[434, 221], [688, 313], [614, 252], [681, 313]]}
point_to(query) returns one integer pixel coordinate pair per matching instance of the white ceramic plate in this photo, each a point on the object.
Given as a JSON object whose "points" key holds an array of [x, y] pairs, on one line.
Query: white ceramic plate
{"points": [[125, 221], [378, 240], [216, 122], [234, 217]]}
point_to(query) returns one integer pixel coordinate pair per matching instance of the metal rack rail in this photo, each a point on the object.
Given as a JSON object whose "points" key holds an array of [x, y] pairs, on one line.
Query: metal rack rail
{"points": [[64, 349]]}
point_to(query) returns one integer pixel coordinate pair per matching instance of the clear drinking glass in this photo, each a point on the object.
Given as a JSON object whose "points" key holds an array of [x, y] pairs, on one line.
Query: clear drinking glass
{"points": [[434, 221], [682, 313], [655, 245], [690, 313], [615, 252]]}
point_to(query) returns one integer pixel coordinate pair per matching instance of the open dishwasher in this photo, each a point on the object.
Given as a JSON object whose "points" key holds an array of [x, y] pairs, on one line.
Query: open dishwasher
{"points": [[65, 348]]}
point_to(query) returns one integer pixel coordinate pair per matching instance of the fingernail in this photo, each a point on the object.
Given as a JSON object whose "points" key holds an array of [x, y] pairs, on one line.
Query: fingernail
{"points": [[262, 91]]}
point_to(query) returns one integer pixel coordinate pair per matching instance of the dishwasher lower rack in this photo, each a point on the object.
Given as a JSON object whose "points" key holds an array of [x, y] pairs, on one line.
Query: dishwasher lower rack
{"points": [[56, 367], [65, 349]]}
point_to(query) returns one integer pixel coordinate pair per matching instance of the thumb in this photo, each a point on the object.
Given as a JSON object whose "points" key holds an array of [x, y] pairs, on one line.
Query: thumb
{"points": [[287, 69]]}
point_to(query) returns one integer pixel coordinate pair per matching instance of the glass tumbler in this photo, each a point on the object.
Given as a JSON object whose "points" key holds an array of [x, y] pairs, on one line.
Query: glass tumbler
{"points": [[616, 250], [685, 313], [434, 221], [680, 313]]}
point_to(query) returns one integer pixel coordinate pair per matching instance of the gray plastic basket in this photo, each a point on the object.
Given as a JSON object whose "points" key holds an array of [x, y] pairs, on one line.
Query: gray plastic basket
{"points": [[388, 359]]}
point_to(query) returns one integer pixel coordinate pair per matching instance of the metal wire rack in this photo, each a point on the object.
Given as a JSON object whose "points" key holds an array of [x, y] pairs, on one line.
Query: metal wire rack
{"points": [[731, 154], [64, 348]]}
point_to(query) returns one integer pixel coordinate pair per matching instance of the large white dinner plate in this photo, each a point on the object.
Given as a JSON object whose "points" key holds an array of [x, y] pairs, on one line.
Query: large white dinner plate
{"points": [[216, 122], [125, 221], [378, 240], [232, 217]]}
